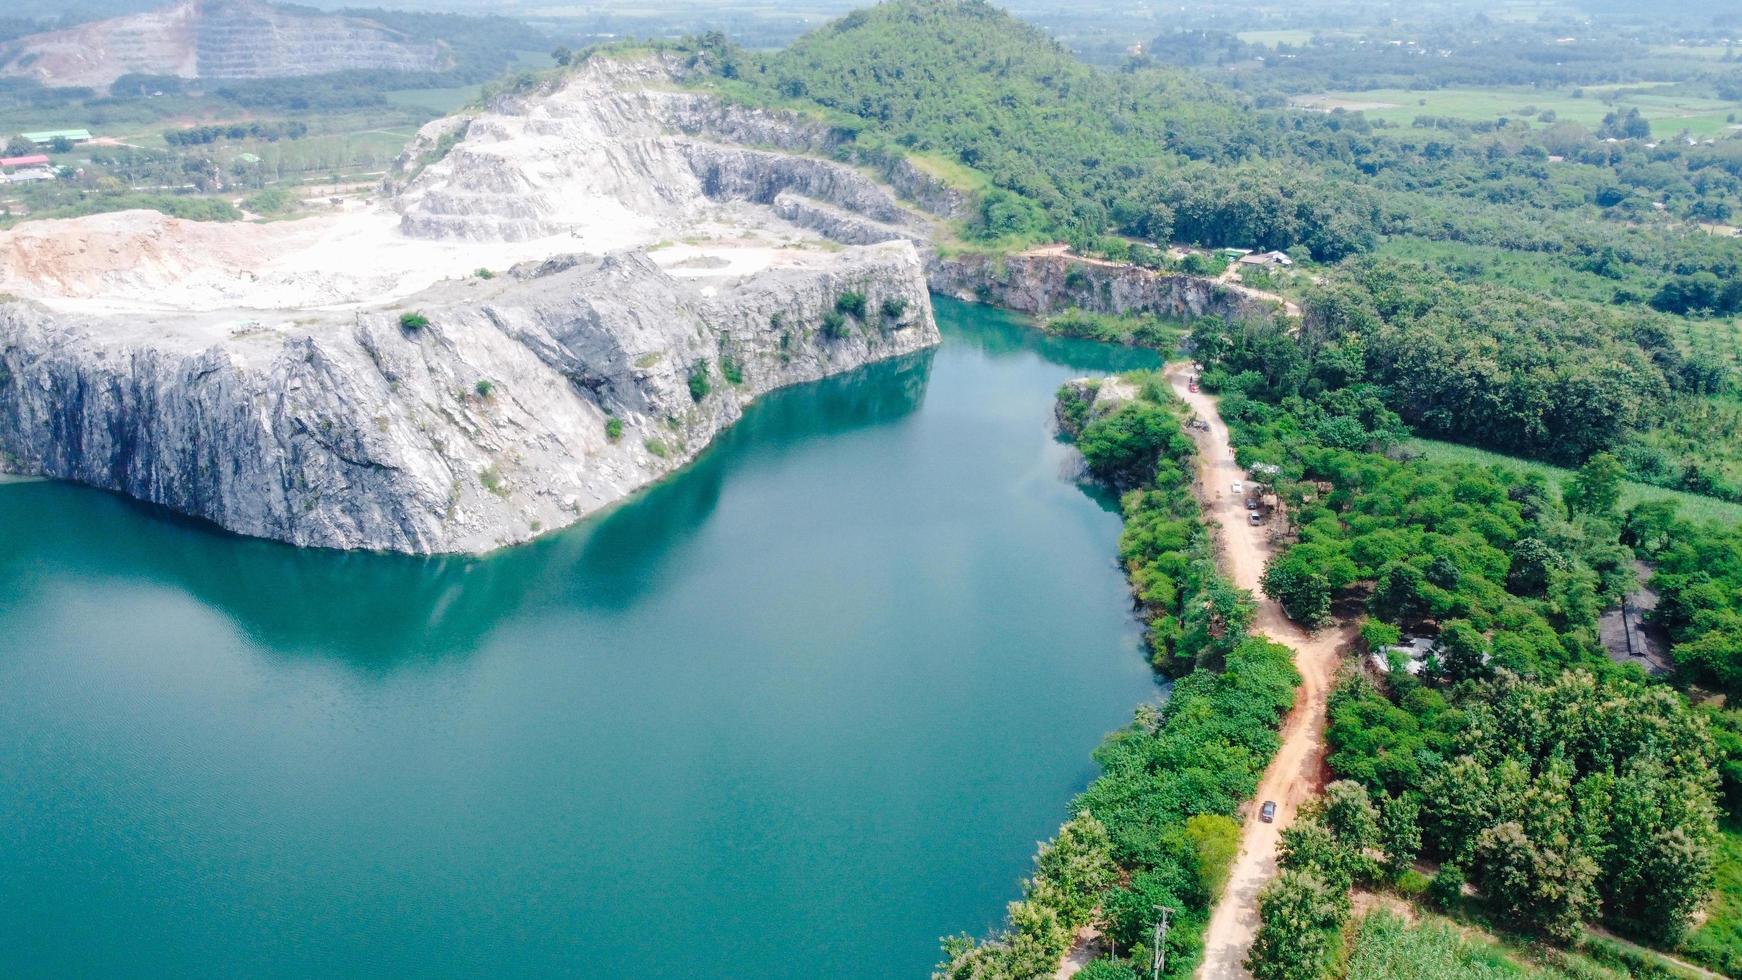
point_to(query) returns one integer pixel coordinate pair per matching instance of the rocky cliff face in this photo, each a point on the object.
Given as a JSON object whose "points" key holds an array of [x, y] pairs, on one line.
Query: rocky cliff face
{"points": [[215, 39], [511, 404], [483, 428], [1044, 284]]}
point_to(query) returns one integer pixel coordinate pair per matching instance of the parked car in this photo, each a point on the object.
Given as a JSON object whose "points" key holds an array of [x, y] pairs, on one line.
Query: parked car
{"points": [[1251, 504], [1239, 487], [1267, 812], [1255, 518]]}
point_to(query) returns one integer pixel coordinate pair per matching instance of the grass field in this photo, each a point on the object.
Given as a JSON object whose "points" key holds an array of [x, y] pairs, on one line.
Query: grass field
{"points": [[1693, 506], [1717, 943], [1667, 111]]}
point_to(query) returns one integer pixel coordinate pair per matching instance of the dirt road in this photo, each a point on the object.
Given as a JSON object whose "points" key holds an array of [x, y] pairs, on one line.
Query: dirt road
{"points": [[1298, 770], [1230, 278]]}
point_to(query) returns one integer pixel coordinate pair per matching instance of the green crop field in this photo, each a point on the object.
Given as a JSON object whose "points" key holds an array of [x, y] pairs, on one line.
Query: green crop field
{"points": [[1668, 112], [1693, 506]]}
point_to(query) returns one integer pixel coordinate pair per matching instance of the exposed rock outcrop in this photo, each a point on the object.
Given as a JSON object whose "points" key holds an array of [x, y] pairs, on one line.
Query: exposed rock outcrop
{"points": [[481, 429], [1044, 284], [669, 276], [216, 39]]}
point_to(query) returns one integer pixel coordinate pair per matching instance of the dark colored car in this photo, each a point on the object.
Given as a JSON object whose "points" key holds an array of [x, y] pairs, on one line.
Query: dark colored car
{"points": [[1267, 812]]}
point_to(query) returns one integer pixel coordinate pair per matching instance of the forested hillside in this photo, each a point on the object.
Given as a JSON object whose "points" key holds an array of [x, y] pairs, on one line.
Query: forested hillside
{"points": [[1537, 288], [1602, 337]]}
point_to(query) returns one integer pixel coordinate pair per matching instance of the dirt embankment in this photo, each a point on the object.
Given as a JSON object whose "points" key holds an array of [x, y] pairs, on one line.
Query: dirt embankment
{"points": [[1298, 771]]}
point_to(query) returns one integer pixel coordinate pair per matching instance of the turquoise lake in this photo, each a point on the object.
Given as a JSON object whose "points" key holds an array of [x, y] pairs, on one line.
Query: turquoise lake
{"points": [[795, 712]]}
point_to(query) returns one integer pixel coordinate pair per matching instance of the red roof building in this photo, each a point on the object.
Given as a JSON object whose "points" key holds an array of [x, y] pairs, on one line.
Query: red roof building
{"points": [[36, 160]]}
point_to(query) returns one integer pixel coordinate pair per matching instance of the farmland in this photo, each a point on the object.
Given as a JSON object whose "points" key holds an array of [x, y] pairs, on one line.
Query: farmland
{"points": [[1662, 104], [1692, 506]]}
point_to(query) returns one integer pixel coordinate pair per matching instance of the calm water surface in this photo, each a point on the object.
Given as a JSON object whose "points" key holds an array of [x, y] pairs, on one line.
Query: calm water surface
{"points": [[794, 713]]}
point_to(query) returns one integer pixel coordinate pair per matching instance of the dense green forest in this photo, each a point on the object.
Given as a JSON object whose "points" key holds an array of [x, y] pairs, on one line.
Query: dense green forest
{"points": [[1156, 827], [1606, 336], [1536, 286], [1566, 787]]}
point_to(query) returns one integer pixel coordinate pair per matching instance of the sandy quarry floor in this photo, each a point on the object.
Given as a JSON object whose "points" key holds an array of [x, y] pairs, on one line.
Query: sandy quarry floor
{"points": [[143, 262]]}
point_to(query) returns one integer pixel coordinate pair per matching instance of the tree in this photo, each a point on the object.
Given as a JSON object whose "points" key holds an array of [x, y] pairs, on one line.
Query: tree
{"points": [[1121, 447], [18, 146], [1303, 591], [1463, 651], [1652, 526], [1545, 889], [1215, 841], [1398, 594], [1533, 561], [1296, 912], [1349, 814], [1446, 889], [1596, 488], [1400, 833], [1080, 863]]}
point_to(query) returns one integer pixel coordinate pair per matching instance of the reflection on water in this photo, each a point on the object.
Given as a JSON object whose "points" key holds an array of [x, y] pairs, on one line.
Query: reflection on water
{"points": [[795, 712], [373, 611]]}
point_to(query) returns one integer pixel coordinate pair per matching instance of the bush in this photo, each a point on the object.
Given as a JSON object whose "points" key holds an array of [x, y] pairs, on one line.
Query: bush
{"points": [[272, 201], [613, 428], [657, 447], [894, 308], [731, 370], [851, 304], [413, 321], [1446, 890], [699, 383], [834, 325], [485, 387], [484, 274]]}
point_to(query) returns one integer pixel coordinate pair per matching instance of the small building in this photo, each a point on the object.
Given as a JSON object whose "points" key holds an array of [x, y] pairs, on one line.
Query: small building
{"points": [[26, 175], [48, 136], [34, 160], [1266, 258], [1413, 651]]}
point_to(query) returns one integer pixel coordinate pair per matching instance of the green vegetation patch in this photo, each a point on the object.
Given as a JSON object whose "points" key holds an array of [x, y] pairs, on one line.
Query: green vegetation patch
{"points": [[1156, 827]]}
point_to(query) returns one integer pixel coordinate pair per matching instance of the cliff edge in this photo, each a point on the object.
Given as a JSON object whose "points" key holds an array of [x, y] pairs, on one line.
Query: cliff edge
{"points": [[554, 301]]}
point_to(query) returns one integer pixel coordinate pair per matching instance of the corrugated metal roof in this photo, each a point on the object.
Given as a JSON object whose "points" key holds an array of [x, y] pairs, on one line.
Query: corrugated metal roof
{"points": [[50, 135]]}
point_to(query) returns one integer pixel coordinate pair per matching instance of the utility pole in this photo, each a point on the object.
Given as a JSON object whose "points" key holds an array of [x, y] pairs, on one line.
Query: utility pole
{"points": [[1160, 957]]}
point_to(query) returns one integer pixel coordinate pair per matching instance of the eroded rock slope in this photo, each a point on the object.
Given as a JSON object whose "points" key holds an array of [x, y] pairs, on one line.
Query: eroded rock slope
{"points": [[672, 259]]}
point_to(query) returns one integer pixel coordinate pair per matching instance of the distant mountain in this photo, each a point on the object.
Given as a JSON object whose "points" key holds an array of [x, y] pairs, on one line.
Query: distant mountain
{"points": [[219, 39]]}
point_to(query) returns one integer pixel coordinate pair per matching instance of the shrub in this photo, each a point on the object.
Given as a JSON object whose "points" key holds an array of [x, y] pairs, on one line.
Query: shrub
{"points": [[484, 274], [613, 428], [485, 387], [413, 321], [699, 383], [272, 201], [851, 304], [657, 447], [491, 478], [834, 325], [894, 308], [731, 370], [1446, 889]]}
